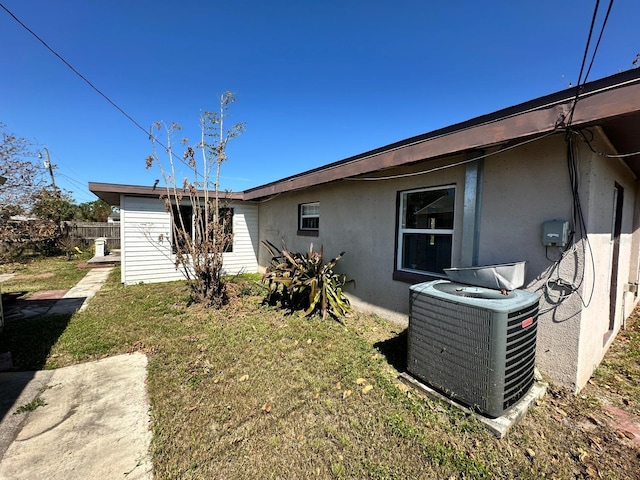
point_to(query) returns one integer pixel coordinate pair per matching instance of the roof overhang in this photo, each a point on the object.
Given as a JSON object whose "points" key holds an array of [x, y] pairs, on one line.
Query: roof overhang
{"points": [[613, 103], [111, 192]]}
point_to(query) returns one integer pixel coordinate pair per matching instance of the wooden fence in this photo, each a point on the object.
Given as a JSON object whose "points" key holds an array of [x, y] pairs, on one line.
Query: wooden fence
{"points": [[89, 231]]}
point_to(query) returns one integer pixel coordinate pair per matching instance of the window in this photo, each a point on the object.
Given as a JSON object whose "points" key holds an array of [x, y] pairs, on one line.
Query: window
{"points": [[425, 230], [226, 218], [184, 216], [309, 218]]}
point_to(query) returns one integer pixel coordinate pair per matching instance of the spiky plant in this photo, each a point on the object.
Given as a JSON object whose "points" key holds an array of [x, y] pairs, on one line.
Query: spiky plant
{"points": [[301, 281]]}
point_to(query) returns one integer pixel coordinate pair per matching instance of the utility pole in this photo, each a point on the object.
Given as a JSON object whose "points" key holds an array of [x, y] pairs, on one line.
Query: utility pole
{"points": [[47, 164]]}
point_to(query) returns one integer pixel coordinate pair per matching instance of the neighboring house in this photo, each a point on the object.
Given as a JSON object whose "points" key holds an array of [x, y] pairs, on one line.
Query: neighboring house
{"points": [[475, 193]]}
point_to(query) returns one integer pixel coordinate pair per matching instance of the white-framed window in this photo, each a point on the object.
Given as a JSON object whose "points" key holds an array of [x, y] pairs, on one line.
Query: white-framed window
{"points": [[425, 230], [309, 218]]}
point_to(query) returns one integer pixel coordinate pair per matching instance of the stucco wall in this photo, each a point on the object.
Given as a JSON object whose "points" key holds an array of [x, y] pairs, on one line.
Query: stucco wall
{"points": [[521, 189], [596, 335], [146, 247], [358, 217], [524, 188]]}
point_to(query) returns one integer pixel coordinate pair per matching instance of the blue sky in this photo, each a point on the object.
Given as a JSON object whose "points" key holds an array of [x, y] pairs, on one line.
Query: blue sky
{"points": [[315, 82]]}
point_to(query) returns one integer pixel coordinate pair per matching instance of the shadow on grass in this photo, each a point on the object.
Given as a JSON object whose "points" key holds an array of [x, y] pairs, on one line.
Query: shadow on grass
{"points": [[395, 350], [29, 341]]}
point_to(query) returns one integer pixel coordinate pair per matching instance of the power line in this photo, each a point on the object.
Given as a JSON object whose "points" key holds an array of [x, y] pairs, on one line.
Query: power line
{"points": [[582, 81], [46, 45], [593, 57], [96, 89]]}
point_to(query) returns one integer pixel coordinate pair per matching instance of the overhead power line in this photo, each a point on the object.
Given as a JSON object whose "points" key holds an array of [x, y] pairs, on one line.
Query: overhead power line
{"points": [[581, 80], [86, 80], [593, 57], [46, 45]]}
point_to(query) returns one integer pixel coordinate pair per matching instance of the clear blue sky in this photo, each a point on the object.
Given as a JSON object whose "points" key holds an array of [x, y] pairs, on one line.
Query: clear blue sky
{"points": [[315, 81]]}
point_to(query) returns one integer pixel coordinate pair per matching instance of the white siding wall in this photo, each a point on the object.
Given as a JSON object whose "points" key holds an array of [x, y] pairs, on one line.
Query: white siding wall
{"points": [[146, 245]]}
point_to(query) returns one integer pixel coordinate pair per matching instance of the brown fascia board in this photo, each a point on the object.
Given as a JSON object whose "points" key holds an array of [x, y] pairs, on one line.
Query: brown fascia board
{"points": [[609, 97], [110, 192]]}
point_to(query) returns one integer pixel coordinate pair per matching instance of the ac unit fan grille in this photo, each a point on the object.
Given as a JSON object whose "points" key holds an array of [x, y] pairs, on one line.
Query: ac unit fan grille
{"points": [[459, 340]]}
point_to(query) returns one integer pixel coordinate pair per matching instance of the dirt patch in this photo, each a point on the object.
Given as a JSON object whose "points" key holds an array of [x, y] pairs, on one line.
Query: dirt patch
{"points": [[47, 295]]}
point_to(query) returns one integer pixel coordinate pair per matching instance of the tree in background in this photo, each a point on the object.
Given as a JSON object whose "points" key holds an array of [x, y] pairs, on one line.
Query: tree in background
{"points": [[51, 203], [199, 217], [24, 175], [96, 211]]}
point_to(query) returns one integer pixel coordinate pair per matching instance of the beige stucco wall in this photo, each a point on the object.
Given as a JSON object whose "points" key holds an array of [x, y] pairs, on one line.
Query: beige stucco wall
{"points": [[595, 334], [522, 188], [357, 217]]}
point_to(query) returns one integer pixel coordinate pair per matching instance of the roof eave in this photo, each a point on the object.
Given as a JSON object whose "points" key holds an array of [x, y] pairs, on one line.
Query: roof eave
{"points": [[111, 192], [599, 100]]}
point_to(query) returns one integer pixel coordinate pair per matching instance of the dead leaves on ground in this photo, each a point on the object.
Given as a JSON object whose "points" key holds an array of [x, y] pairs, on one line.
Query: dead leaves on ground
{"points": [[361, 382], [141, 347]]}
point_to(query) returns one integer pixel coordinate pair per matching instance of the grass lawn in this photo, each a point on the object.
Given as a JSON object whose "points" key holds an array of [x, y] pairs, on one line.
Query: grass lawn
{"points": [[51, 273], [248, 392]]}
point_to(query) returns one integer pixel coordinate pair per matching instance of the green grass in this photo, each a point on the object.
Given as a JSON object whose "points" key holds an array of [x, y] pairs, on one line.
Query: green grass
{"points": [[249, 392], [52, 273]]}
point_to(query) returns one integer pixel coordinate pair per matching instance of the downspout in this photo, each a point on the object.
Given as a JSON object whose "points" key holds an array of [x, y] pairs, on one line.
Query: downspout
{"points": [[473, 181]]}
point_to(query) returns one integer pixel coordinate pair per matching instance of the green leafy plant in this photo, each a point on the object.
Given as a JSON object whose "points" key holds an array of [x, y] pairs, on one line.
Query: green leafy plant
{"points": [[32, 405], [301, 281]]}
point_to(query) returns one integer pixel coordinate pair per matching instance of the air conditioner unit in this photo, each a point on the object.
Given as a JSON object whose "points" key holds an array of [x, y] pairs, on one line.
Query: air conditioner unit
{"points": [[476, 345]]}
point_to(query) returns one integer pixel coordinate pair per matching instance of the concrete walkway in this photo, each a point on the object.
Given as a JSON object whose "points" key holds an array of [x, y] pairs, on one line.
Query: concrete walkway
{"points": [[85, 421], [78, 297], [94, 423], [68, 302]]}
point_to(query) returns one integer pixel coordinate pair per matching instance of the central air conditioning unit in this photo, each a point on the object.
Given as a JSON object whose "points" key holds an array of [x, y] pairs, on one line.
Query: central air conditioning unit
{"points": [[474, 344]]}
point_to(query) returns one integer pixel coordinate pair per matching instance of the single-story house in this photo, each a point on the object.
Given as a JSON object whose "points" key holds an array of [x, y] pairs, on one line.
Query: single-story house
{"points": [[480, 192]]}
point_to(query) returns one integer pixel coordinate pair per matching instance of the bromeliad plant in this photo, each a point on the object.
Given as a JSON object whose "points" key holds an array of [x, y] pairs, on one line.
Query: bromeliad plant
{"points": [[302, 282]]}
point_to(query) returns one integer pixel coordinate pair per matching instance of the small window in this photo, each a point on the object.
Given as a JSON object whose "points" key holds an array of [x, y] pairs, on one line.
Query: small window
{"points": [[425, 230], [309, 218]]}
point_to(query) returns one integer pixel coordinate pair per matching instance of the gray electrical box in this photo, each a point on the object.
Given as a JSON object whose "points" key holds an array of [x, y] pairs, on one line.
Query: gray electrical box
{"points": [[555, 233]]}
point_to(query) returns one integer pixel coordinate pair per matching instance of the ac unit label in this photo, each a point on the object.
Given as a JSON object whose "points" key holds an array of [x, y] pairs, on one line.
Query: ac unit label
{"points": [[527, 322]]}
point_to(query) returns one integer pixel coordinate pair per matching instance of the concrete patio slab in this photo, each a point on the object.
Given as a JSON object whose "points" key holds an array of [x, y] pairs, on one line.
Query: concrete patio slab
{"points": [[497, 426], [94, 424]]}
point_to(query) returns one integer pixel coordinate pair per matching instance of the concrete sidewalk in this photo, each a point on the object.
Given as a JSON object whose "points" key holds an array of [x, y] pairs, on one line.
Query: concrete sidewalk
{"points": [[94, 424], [92, 420], [78, 297], [73, 300]]}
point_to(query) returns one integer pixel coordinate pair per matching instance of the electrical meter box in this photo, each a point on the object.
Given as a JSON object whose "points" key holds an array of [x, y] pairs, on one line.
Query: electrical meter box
{"points": [[555, 233]]}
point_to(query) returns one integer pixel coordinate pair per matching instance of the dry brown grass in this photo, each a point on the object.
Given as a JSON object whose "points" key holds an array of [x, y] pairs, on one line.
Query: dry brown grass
{"points": [[247, 392]]}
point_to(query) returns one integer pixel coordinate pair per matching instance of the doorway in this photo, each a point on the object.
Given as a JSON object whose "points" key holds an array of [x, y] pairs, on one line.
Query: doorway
{"points": [[618, 200]]}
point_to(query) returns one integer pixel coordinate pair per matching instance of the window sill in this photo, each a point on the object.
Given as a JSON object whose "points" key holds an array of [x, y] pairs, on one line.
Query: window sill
{"points": [[410, 277], [308, 233]]}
